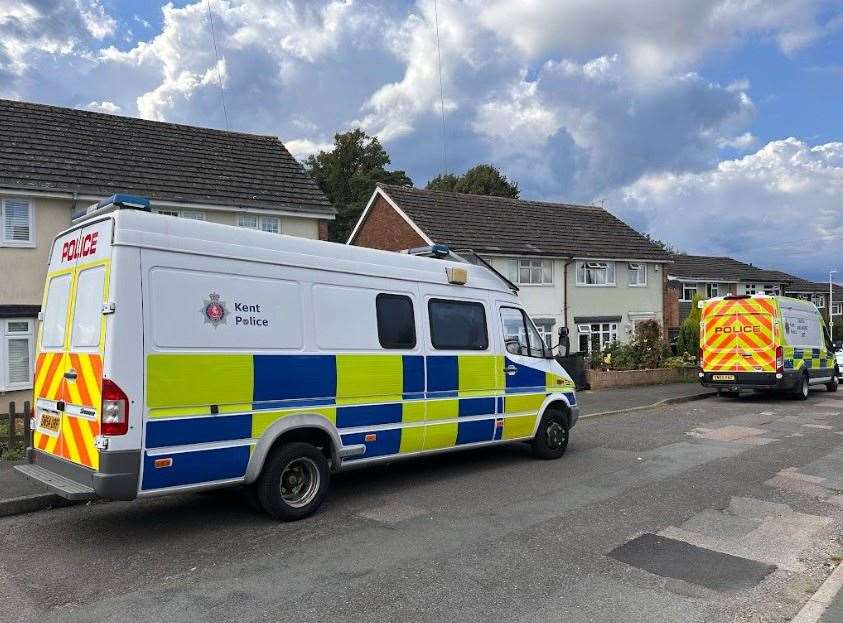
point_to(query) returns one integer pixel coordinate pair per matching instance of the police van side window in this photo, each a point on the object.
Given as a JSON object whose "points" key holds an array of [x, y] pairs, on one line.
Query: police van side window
{"points": [[396, 322], [457, 325]]}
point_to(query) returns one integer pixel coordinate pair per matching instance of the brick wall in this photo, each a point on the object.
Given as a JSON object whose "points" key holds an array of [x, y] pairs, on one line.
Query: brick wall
{"points": [[385, 229], [323, 230], [672, 293]]}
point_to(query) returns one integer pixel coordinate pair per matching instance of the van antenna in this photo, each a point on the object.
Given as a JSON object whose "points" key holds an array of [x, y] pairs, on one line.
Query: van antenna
{"points": [[441, 87], [217, 55]]}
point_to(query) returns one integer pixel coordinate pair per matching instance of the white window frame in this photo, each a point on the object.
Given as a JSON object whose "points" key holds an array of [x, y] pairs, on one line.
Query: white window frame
{"points": [[30, 242], [196, 215], [607, 330], [546, 328], [6, 336], [260, 219], [638, 269], [818, 300], [689, 285], [771, 289], [712, 290], [751, 288], [583, 266], [836, 309]]}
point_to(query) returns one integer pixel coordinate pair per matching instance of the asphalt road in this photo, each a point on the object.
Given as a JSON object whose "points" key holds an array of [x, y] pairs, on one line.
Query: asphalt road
{"points": [[719, 510]]}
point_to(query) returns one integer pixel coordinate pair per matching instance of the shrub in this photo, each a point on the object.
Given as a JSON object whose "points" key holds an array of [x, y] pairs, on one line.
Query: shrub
{"points": [[680, 361], [646, 349], [688, 341]]}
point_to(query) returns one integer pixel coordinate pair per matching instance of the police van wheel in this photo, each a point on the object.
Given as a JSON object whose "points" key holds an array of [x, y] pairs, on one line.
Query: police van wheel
{"points": [[834, 382], [803, 388], [551, 438], [294, 481]]}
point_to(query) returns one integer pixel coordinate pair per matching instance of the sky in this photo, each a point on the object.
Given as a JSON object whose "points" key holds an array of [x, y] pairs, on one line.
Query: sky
{"points": [[714, 125]]}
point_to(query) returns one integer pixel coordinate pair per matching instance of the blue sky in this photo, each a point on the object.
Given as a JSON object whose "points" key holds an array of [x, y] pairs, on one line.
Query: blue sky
{"points": [[713, 124]]}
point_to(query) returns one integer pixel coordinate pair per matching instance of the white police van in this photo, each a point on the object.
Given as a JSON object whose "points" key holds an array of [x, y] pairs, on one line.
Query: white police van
{"points": [[176, 355]]}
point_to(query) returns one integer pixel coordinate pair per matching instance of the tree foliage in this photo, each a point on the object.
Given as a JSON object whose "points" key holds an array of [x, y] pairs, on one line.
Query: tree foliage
{"points": [[483, 179], [689, 332], [348, 174]]}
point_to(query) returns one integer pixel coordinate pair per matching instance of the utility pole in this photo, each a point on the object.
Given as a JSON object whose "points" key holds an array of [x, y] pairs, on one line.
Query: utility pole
{"points": [[830, 303]]}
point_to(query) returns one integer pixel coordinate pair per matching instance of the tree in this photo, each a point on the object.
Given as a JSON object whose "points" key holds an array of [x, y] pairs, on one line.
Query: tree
{"points": [[483, 179], [348, 174], [689, 333], [664, 246]]}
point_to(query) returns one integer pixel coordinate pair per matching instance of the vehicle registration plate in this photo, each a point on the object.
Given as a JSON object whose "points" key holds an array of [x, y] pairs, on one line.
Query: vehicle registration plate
{"points": [[723, 377], [50, 422]]}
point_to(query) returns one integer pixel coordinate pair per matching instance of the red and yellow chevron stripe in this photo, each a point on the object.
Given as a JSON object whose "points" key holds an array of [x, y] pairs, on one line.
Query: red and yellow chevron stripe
{"points": [[739, 335], [74, 440]]}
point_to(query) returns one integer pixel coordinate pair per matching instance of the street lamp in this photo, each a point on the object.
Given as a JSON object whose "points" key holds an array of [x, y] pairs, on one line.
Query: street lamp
{"points": [[830, 304]]}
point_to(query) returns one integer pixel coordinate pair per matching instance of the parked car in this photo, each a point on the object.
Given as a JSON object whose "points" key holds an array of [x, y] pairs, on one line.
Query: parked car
{"points": [[178, 355]]}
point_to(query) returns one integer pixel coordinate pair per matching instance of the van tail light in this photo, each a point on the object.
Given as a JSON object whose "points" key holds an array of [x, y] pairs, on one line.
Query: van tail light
{"points": [[779, 359], [700, 358], [114, 417]]}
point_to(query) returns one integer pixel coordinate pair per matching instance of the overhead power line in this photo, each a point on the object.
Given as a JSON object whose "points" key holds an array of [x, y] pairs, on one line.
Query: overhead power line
{"points": [[441, 86], [217, 55]]}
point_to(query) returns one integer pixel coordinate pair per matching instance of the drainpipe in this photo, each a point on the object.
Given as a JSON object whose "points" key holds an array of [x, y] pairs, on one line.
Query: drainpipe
{"points": [[565, 300]]}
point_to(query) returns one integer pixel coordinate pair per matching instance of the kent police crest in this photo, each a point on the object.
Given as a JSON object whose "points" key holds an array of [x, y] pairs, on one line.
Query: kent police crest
{"points": [[214, 310]]}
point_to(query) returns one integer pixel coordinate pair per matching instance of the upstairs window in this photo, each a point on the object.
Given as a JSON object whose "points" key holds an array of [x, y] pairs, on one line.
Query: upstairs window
{"points": [[771, 289], [529, 272], [396, 322], [194, 215], [637, 274], [750, 288], [712, 290], [689, 291], [457, 325], [16, 226], [270, 224], [595, 273]]}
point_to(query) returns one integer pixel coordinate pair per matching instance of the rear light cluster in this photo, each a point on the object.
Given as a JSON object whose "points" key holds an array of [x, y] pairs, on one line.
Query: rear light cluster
{"points": [[779, 359], [115, 409]]}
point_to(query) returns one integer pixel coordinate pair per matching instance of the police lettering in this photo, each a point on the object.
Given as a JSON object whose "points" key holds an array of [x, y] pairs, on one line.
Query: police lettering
{"points": [[251, 321], [242, 307], [81, 247], [752, 329]]}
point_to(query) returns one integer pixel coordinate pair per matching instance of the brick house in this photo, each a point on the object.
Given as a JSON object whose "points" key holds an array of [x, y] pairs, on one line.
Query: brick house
{"points": [[54, 161], [708, 276], [575, 266]]}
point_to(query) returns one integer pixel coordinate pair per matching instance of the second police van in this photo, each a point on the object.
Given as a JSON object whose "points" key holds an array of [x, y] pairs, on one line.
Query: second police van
{"points": [[177, 355]]}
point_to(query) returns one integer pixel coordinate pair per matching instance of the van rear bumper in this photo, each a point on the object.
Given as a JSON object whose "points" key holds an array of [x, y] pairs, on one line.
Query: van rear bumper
{"points": [[752, 380], [116, 479]]}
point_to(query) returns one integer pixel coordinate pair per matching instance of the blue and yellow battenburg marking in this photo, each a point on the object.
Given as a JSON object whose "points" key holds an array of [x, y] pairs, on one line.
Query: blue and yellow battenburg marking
{"points": [[379, 401], [811, 358]]}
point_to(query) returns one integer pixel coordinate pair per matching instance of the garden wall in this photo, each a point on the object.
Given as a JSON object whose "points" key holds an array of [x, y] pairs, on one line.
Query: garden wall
{"points": [[600, 379]]}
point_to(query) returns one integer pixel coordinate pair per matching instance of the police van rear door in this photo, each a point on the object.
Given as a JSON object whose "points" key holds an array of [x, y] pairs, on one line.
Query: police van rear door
{"points": [[68, 368], [739, 335]]}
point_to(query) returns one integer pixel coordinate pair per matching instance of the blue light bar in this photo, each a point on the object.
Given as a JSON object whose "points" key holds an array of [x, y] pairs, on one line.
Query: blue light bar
{"points": [[125, 201]]}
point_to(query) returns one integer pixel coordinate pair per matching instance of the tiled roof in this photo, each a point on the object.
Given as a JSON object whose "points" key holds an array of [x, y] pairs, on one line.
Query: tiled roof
{"points": [[803, 285], [721, 269], [502, 225], [47, 148]]}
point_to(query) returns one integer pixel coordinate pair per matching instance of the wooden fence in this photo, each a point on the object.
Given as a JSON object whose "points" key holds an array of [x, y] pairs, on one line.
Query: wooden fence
{"points": [[18, 433]]}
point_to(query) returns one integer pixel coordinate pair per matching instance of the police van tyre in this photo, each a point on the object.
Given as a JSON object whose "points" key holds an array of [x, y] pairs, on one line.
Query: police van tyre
{"points": [[803, 388], [294, 481], [551, 438], [834, 382]]}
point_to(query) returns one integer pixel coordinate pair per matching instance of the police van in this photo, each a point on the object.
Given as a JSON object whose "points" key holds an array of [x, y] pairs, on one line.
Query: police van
{"points": [[765, 342], [176, 355]]}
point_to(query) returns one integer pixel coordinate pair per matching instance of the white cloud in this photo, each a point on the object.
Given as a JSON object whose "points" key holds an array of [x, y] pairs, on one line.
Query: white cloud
{"points": [[104, 106], [778, 207], [53, 27], [301, 148]]}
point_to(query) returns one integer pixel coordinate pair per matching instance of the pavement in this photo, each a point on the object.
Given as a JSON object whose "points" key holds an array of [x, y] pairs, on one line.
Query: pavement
{"points": [[722, 510], [625, 398]]}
